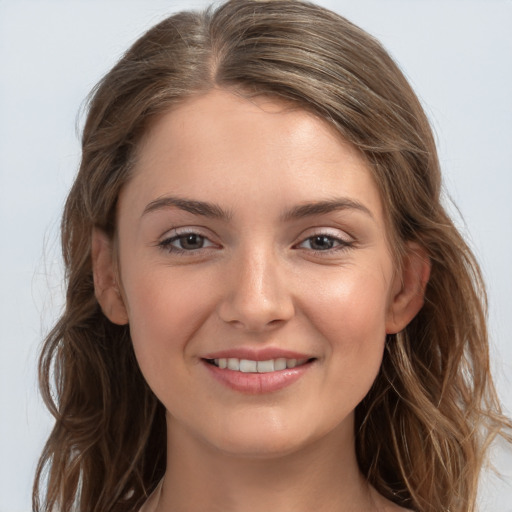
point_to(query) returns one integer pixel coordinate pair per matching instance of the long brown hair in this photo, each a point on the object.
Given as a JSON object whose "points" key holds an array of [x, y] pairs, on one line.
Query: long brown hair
{"points": [[423, 429]]}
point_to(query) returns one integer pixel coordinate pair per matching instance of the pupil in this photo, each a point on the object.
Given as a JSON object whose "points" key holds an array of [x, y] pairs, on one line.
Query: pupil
{"points": [[191, 241], [321, 243]]}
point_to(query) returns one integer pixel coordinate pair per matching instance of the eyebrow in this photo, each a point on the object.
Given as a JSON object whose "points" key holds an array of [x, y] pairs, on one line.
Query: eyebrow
{"points": [[323, 207], [212, 210], [202, 208]]}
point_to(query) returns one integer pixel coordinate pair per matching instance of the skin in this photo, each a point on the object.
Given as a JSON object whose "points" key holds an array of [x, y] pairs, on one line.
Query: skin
{"points": [[256, 281]]}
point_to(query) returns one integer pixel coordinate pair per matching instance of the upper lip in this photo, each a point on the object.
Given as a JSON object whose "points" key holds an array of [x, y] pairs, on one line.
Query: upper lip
{"points": [[261, 354]]}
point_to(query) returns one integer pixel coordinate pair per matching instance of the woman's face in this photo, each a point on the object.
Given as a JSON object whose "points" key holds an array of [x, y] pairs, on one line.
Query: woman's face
{"points": [[251, 236]]}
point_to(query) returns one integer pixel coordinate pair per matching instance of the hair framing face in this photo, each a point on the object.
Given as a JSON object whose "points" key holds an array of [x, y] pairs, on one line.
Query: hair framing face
{"points": [[423, 428]]}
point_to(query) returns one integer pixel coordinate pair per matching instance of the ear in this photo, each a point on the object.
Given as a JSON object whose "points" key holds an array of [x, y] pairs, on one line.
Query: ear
{"points": [[104, 272], [408, 288]]}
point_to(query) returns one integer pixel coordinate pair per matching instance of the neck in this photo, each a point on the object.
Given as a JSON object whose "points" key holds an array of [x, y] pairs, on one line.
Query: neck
{"points": [[321, 476]]}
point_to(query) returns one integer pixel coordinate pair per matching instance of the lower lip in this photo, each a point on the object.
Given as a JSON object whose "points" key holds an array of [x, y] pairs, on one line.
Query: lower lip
{"points": [[256, 383]]}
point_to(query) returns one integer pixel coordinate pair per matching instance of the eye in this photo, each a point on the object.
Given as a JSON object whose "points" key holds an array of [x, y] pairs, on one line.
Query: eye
{"points": [[323, 243], [186, 242]]}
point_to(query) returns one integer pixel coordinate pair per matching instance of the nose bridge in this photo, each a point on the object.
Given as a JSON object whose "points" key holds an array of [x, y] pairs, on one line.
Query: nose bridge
{"points": [[258, 294]]}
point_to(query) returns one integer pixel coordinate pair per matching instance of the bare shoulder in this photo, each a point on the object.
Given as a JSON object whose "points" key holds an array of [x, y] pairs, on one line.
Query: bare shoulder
{"points": [[152, 502]]}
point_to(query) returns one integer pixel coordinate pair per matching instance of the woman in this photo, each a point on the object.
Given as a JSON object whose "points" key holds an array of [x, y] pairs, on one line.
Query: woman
{"points": [[267, 307]]}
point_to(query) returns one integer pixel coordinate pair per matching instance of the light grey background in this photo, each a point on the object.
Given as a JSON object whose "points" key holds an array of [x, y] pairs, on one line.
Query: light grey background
{"points": [[457, 54]]}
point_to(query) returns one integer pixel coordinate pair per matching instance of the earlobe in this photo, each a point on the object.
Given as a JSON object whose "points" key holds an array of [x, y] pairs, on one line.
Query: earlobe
{"points": [[409, 289], [106, 287]]}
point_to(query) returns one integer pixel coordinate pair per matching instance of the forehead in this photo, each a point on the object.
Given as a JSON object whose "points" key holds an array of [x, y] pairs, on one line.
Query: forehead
{"points": [[222, 146], [208, 117]]}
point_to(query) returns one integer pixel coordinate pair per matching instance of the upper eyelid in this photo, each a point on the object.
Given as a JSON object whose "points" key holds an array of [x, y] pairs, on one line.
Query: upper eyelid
{"points": [[185, 230], [332, 232]]}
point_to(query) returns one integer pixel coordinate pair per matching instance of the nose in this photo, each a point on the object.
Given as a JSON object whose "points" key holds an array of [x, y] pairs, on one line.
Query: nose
{"points": [[257, 294]]}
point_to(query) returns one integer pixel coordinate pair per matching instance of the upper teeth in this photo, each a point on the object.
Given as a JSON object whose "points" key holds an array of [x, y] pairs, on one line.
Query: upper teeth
{"points": [[250, 366]]}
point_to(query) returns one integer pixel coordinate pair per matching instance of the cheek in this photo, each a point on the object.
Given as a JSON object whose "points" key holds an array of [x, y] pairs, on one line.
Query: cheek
{"points": [[350, 313], [164, 313], [351, 305]]}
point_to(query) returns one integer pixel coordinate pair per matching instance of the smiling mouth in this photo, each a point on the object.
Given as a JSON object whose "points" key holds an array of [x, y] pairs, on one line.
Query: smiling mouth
{"points": [[251, 366]]}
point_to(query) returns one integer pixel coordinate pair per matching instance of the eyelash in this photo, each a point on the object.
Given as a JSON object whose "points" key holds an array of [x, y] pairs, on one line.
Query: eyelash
{"points": [[342, 245], [168, 247], [167, 243]]}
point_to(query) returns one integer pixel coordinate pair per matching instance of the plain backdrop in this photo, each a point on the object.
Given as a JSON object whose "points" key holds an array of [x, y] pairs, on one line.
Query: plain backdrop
{"points": [[456, 53]]}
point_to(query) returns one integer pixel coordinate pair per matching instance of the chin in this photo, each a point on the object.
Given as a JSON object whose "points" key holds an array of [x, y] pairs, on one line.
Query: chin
{"points": [[261, 446], [267, 438]]}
